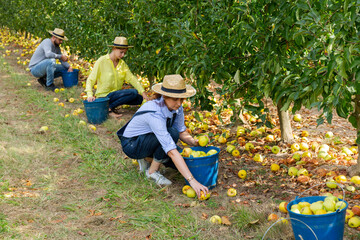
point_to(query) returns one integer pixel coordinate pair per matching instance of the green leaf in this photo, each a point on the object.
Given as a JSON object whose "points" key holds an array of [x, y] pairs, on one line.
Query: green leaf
{"points": [[352, 120], [237, 76]]}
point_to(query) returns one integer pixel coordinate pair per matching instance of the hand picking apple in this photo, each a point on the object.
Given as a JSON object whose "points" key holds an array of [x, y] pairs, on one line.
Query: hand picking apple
{"points": [[153, 131]]}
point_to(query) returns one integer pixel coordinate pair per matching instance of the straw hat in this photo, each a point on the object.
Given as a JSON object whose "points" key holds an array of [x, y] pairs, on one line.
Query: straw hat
{"points": [[120, 42], [59, 33], [174, 86]]}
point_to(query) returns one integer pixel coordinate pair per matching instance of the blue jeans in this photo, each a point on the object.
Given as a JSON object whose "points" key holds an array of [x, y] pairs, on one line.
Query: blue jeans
{"points": [[125, 96], [49, 68], [147, 145]]}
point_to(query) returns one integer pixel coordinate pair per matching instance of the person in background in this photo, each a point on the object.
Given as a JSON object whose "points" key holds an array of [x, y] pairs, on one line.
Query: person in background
{"points": [[155, 128], [43, 62], [109, 73]]}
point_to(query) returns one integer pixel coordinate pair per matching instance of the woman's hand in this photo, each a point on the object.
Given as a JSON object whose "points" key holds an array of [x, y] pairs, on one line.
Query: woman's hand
{"points": [[91, 99], [145, 96], [198, 187], [70, 69], [195, 142]]}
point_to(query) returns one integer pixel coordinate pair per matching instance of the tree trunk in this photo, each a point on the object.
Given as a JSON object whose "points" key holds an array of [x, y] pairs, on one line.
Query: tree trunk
{"points": [[355, 169], [285, 126]]}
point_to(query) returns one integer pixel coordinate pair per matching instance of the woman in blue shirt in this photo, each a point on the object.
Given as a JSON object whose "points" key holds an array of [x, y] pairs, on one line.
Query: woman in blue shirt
{"points": [[156, 127]]}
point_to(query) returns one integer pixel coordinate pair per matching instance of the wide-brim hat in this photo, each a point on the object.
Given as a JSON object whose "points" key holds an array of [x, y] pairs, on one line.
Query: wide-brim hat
{"points": [[120, 42], [174, 86], [59, 33]]}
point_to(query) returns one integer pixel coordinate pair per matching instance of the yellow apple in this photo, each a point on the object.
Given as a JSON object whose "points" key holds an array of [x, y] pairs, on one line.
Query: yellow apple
{"points": [[216, 219], [297, 118], [249, 146], [273, 217], [292, 171], [92, 127], [275, 149], [44, 129], [230, 148], [304, 133], [242, 174], [71, 100], [231, 192], [282, 207], [258, 157], [270, 138], [341, 179], [274, 167], [81, 122], [355, 179], [55, 99], [203, 196], [295, 147], [354, 222], [190, 193], [222, 139], [235, 153], [186, 152], [211, 152], [185, 188], [304, 146]]}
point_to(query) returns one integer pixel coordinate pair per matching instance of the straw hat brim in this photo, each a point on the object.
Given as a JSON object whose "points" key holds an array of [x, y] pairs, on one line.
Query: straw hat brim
{"points": [[190, 91], [63, 38], [121, 46]]}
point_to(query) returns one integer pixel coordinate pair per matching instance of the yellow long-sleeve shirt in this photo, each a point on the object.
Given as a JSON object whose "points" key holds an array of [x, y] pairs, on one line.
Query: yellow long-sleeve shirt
{"points": [[109, 78]]}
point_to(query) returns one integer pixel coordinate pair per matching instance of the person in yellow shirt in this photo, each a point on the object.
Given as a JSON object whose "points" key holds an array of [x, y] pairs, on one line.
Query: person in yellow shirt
{"points": [[109, 73]]}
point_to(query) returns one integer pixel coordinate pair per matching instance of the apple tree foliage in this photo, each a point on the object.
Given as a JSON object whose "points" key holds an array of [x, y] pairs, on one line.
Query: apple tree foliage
{"points": [[300, 53]]}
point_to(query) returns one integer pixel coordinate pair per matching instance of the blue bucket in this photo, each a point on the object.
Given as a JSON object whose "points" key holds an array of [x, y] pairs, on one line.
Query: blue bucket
{"points": [[70, 78], [204, 169], [97, 111], [328, 226]]}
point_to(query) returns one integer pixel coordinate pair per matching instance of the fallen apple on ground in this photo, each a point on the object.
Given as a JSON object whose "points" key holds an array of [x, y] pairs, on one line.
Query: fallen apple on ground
{"points": [[231, 192], [297, 118], [191, 193], [242, 174], [185, 188], [275, 149], [215, 219], [282, 207]]}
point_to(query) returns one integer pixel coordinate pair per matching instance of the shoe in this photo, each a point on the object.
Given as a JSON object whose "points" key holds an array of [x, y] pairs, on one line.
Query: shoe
{"points": [[158, 178], [52, 87], [42, 81], [143, 165]]}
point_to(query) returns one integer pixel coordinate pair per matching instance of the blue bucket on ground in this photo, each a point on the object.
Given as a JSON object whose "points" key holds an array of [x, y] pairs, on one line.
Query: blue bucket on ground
{"points": [[97, 111], [70, 78], [328, 226], [204, 169]]}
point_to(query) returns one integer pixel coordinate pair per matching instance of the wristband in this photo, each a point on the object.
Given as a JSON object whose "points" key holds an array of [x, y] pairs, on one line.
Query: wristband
{"points": [[190, 179]]}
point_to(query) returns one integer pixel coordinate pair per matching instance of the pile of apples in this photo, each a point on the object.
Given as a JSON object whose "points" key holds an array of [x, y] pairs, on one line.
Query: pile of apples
{"points": [[329, 205], [189, 153]]}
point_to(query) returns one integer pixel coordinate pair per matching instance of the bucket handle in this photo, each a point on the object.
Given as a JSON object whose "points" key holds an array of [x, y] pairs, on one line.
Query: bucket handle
{"points": [[337, 210], [290, 219]]}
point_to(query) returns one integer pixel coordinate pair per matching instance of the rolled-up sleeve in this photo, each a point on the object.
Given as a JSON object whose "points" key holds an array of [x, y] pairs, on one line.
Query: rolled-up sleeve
{"points": [[158, 127], [130, 78], [92, 79]]}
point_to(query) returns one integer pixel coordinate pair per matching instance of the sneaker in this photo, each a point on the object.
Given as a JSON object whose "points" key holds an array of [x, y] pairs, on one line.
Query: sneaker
{"points": [[42, 81], [143, 165], [158, 178], [52, 87]]}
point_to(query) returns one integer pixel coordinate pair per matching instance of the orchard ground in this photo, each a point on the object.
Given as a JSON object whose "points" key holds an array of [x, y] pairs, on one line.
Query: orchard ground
{"points": [[75, 183]]}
